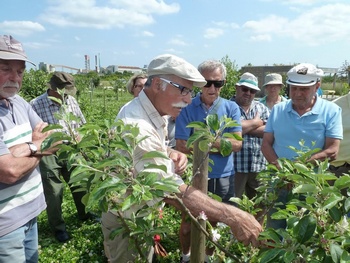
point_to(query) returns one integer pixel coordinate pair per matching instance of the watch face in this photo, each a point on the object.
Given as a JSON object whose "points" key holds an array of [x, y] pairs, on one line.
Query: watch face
{"points": [[32, 148]]}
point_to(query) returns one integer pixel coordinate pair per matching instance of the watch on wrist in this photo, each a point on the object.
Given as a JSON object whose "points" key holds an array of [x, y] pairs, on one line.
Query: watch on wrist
{"points": [[32, 147]]}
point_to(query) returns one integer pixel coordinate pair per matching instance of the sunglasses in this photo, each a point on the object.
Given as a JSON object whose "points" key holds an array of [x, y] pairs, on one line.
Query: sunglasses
{"points": [[245, 89], [217, 83], [184, 90]]}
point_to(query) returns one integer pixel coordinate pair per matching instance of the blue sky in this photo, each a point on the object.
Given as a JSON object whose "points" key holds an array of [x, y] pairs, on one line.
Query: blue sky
{"points": [[132, 32]]}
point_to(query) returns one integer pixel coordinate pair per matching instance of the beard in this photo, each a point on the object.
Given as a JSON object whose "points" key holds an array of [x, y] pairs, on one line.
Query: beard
{"points": [[9, 89]]}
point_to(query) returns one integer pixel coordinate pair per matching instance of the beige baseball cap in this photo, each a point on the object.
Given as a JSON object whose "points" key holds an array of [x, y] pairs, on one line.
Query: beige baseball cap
{"points": [[171, 64]]}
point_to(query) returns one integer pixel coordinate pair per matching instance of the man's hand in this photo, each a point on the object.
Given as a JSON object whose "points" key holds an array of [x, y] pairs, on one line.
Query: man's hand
{"points": [[244, 227], [180, 160], [38, 137]]}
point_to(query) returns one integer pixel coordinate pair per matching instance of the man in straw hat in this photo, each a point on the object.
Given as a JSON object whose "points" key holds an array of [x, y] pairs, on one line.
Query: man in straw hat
{"points": [[22, 198], [304, 117], [167, 91]]}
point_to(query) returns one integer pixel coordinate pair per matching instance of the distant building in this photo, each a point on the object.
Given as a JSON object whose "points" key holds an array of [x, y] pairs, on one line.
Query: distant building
{"points": [[121, 69]]}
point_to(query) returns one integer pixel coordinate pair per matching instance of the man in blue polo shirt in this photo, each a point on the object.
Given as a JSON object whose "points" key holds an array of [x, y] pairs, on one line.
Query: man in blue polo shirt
{"points": [[304, 117], [221, 177]]}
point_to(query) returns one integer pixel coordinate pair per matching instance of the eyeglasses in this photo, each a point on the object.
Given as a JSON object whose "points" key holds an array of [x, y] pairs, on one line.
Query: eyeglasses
{"points": [[245, 89], [217, 83], [139, 86], [184, 90]]}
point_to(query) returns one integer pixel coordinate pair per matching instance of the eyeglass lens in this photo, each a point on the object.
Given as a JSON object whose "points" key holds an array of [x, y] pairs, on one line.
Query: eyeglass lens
{"points": [[217, 83], [245, 89]]}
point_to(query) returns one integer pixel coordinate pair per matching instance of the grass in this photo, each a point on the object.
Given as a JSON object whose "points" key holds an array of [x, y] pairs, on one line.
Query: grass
{"points": [[86, 243]]}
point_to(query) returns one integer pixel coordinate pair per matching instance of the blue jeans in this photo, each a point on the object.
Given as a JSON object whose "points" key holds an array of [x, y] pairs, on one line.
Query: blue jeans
{"points": [[20, 245]]}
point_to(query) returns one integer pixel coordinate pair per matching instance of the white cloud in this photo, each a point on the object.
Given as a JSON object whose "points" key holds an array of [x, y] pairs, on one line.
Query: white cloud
{"points": [[213, 32], [225, 24], [177, 42], [77, 38], [118, 14], [314, 26], [147, 34], [21, 28]]}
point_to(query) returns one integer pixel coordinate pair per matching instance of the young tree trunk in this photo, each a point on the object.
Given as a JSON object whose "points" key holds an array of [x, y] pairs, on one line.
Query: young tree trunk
{"points": [[200, 181]]}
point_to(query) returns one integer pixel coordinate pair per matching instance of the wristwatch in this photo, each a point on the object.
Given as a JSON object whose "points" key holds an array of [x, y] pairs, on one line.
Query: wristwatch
{"points": [[32, 147]]}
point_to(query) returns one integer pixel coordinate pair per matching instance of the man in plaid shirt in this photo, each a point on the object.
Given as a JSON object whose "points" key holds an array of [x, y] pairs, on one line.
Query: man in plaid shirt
{"points": [[51, 168], [249, 161]]}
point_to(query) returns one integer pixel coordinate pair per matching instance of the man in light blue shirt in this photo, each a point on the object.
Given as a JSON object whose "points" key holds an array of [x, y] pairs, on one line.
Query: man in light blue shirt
{"points": [[304, 117]]}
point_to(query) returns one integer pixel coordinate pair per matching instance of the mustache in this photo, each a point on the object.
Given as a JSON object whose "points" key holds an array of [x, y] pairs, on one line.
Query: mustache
{"points": [[10, 84], [180, 104]]}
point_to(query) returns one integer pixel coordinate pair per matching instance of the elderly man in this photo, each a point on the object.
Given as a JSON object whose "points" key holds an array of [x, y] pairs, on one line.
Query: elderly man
{"points": [[22, 198], [166, 92], [249, 161], [50, 167], [221, 176], [304, 117]]}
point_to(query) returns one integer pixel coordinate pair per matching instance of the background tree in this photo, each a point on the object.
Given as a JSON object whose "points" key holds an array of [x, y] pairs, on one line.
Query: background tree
{"points": [[231, 79], [34, 84]]}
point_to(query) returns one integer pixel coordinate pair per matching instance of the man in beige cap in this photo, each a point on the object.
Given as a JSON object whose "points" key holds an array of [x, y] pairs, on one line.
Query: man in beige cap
{"points": [[61, 87], [273, 85], [168, 90], [22, 198]]}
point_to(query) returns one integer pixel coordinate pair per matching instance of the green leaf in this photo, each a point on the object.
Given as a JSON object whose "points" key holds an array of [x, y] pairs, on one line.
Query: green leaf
{"points": [[345, 257], [154, 154], [336, 252], [197, 124], [156, 166], [335, 213], [301, 167], [232, 136], [289, 256], [347, 204], [305, 188], [213, 121], [305, 229], [271, 255], [193, 138], [204, 145], [225, 147], [311, 200], [332, 201], [342, 182]]}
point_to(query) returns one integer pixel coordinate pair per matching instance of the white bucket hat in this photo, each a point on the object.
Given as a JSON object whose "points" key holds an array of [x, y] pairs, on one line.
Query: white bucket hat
{"points": [[273, 79], [248, 80]]}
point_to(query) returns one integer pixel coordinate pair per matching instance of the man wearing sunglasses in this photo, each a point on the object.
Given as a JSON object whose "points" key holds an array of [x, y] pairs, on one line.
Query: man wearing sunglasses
{"points": [[249, 161], [167, 91], [221, 177]]}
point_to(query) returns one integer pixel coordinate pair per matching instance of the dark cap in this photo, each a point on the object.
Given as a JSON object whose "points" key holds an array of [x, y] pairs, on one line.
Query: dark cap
{"points": [[62, 80], [11, 49]]}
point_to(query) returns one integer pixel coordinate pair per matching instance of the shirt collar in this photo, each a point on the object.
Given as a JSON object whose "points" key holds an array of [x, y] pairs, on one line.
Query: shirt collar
{"points": [[154, 116]]}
